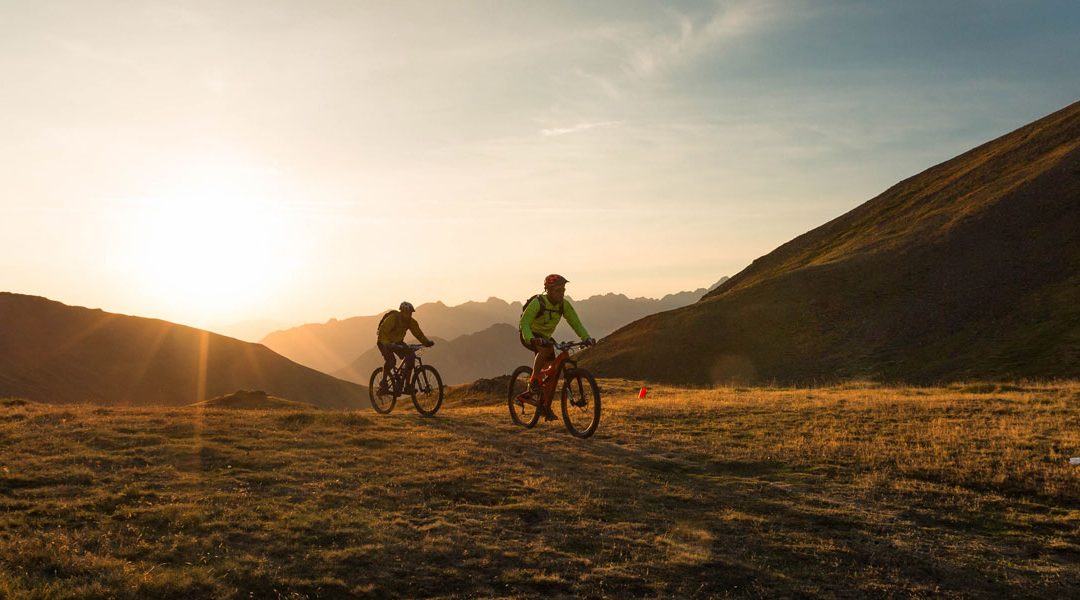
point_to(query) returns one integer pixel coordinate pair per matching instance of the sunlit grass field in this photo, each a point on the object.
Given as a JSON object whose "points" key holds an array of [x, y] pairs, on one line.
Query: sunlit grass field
{"points": [[964, 491]]}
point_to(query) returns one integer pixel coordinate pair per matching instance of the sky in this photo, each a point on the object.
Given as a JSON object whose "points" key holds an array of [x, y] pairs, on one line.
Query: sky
{"points": [[221, 163]]}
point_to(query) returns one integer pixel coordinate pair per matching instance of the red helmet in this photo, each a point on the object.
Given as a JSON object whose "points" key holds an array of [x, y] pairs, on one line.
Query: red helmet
{"points": [[553, 280]]}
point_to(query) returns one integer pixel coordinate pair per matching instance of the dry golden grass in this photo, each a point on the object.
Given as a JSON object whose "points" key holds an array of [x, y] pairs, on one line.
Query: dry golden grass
{"points": [[847, 491]]}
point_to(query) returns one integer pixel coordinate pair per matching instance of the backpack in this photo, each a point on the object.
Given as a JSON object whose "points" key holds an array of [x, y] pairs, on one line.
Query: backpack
{"points": [[381, 321], [543, 308]]}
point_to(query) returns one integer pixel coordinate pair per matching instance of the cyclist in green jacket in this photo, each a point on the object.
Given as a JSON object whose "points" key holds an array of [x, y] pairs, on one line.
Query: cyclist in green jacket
{"points": [[391, 341], [541, 316]]}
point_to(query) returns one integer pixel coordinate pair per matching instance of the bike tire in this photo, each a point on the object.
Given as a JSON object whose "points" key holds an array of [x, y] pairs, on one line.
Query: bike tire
{"points": [[428, 392], [580, 403], [521, 413], [382, 403]]}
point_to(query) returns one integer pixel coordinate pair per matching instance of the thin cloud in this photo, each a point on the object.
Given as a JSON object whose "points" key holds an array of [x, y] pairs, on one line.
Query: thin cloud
{"points": [[730, 20], [605, 84], [553, 131]]}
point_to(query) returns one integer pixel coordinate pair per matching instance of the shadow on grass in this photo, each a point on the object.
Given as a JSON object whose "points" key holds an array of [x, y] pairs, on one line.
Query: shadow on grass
{"points": [[749, 534]]}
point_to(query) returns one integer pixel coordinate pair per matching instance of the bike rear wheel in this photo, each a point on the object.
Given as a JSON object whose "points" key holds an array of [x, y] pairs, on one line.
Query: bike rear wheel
{"points": [[522, 413], [580, 403], [382, 403], [427, 392]]}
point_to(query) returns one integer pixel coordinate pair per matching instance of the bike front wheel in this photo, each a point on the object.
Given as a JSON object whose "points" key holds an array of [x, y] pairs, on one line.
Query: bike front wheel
{"points": [[382, 403], [427, 391], [522, 413], [580, 403]]}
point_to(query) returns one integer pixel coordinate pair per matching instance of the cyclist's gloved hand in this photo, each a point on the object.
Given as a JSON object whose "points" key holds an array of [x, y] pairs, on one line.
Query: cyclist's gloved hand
{"points": [[429, 344], [589, 341]]}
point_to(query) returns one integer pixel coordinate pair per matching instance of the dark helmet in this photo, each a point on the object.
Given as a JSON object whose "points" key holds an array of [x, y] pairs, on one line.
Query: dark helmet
{"points": [[405, 306], [554, 280]]}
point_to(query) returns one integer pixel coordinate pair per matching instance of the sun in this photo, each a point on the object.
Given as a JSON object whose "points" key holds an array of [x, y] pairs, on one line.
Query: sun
{"points": [[216, 244]]}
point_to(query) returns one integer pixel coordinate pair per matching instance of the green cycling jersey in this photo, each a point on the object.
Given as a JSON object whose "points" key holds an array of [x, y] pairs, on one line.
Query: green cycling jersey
{"points": [[535, 321]]}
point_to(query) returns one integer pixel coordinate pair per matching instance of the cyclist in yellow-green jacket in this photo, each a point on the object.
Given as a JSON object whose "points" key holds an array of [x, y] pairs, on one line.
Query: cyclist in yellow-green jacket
{"points": [[541, 316], [391, 341]]}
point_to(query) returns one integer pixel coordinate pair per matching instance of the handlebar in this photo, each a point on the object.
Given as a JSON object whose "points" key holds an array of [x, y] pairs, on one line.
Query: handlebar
{"points": [[560, 346]]}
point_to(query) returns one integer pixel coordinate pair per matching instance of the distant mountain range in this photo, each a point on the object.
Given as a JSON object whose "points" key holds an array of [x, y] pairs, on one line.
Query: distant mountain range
{"points": [[51, 352], [331, 346], [970, 269], [338, 344], [493, 351]]}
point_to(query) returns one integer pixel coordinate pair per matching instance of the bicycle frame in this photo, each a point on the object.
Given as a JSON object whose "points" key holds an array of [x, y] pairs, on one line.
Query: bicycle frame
{"points": [[548, 382], [418, 363]]}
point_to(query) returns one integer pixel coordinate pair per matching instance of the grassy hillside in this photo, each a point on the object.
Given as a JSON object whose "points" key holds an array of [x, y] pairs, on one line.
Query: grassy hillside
{"points": [[52, 352], [857, 491], [252, 400], [970, 269]]}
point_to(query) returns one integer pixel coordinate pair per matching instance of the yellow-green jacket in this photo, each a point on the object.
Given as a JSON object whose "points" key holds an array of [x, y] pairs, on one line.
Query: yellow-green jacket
{"points": [[535, 321], [393, 328]]}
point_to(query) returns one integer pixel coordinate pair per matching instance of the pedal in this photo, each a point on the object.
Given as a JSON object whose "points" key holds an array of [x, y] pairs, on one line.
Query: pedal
{"points": [[525, 398]]}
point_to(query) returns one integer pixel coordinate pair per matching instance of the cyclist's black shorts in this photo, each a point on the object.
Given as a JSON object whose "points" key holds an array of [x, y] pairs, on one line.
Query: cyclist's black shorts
{"points": [[389, 350], [528, 346]]}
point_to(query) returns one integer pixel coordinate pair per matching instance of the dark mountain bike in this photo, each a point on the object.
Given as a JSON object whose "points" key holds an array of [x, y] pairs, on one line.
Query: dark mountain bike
{"points": [[580, 396], [425, 387]]}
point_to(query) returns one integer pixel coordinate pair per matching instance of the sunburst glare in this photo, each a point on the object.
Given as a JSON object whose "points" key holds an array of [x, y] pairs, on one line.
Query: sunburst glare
{"points": [[215, 242]]}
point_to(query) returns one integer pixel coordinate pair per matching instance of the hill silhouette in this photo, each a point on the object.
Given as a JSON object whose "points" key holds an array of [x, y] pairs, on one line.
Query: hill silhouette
{"points": [[336, 345], [970, 269], [51, 352]]}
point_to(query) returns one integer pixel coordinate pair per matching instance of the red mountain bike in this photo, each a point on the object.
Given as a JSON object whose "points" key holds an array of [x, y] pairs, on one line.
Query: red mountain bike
{"points": [[580, 395]]}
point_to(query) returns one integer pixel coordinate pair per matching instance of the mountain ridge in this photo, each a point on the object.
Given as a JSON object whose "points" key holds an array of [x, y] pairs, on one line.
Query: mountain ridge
{"points": [[335, 344], [53, 352], [965, 270]]}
